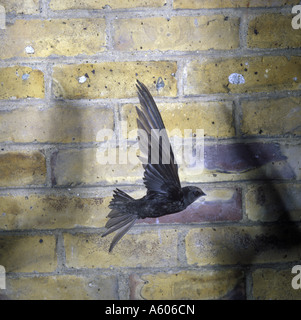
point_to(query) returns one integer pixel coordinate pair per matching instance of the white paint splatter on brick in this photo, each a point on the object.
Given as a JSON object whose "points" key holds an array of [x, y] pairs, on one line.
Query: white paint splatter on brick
{"points": [[25, 76], [236, 78], [29, 50], [82, 79]]}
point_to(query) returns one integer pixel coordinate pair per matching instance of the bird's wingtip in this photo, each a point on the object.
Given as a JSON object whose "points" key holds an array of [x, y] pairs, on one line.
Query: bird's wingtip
{"points": [[138, 84]]}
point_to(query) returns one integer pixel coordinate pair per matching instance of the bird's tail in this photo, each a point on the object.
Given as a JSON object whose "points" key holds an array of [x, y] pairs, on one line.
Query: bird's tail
{"points": [[120, 216]]}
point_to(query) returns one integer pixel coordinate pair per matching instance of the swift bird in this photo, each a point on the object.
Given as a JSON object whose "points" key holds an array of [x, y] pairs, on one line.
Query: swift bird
{"points": [[164, 192]]}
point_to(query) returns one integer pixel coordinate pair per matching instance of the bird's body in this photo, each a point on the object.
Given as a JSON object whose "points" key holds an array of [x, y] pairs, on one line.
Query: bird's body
{"points": [[151, 206], [164, 192]]}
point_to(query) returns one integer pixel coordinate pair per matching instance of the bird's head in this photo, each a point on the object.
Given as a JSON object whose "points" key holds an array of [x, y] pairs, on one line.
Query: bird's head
{"points": [[191, 194]]}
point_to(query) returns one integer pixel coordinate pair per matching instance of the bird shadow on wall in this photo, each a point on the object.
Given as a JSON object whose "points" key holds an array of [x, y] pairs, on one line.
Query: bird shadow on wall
{"points": [[269, 211], [269, 195]]}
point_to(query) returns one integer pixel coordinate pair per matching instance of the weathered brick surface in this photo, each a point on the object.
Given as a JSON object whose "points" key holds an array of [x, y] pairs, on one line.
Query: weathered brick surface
{"points": [[65, 287], [21, 82], [272, 202], [73, 167], [271, 117], [232, 162], [28, 253], [273, 31], [63, 124], [214, 117], [250, 156], [52, 211], [257, 74], [242, 245], [23, 6], [22, 169], [292, 154], [72, 37], [114, 4], [196, 4], [245, 161], [270, 284], [177, 33], [195, 285], [103, 80], [145, 249]]}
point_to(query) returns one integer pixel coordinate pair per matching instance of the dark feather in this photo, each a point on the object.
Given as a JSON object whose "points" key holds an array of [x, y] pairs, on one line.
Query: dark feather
{"points": [[149, 118], [118, 222], [120, 234]]}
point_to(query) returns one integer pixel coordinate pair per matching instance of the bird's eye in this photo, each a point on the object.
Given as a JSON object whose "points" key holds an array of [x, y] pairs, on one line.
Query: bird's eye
{"points": [[196, 193]]}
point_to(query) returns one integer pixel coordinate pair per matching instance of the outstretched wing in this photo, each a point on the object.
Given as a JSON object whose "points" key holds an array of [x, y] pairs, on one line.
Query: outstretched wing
{"points": [[161, 170]]}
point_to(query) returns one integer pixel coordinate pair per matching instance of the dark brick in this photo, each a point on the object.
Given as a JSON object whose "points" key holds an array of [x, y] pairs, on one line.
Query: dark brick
{"points": [[241, 157]]}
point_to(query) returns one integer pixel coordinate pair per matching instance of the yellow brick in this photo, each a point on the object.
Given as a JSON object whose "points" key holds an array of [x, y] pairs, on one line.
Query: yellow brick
{"points": [[61, 124], [22, 168], [271, 284], [28, 253], [100, 4], [178, 33], [147, 249], [263, 204], [214, 117], [52, 211], [190, 285], [62, 287], [113, 79], [21, 6], [197, 4], [68, 37], [87, 166], [242, 245], [21, 82], [273, 31], [272, 117], [257, 74]]}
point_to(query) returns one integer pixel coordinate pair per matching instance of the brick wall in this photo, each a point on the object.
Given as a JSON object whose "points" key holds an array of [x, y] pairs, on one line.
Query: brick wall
{"points": [[68, 69]]}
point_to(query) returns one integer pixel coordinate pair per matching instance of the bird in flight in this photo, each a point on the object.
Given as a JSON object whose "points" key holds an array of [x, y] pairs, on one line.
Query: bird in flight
{"points": [[164, 192]]}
